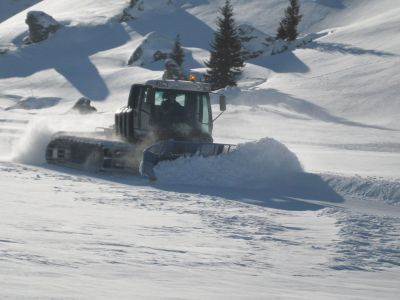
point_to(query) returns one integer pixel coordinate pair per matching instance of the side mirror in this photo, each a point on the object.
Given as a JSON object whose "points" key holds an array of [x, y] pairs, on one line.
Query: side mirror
{"points": [[222, 103]]}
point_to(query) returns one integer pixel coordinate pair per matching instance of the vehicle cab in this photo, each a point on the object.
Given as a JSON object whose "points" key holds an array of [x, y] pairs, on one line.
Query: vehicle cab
{"points": [[167, 109]]}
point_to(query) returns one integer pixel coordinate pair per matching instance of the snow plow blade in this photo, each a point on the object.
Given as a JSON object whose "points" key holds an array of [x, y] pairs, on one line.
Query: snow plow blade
{"points": [[170, 150]]}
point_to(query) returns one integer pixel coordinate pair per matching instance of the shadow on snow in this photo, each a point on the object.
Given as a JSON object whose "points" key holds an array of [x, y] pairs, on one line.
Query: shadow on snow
{"points": [[346, 49], [286, 62], [276, 98], [67, 52], [193, 32], [338, 4], [295, 192]]}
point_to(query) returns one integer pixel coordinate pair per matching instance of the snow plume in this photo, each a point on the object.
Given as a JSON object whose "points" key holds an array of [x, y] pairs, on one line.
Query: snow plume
{"points": [[253, 165], [31, 146]]}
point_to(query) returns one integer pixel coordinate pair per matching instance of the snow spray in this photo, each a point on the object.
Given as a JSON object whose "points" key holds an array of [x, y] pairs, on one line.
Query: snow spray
{"points": [[31, 147], [252, 163]]}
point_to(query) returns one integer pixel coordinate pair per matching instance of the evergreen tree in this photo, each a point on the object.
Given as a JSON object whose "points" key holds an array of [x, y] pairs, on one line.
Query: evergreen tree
{"points": [[177, 53], [172, 70], [288, 26], [226, 61]]}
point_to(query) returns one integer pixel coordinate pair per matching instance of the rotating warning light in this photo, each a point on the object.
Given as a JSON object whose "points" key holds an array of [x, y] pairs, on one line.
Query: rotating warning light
{"points": [[192, 77]]}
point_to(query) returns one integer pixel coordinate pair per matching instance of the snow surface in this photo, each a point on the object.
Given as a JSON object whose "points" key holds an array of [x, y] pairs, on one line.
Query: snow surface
{"points": [[308, 207]]}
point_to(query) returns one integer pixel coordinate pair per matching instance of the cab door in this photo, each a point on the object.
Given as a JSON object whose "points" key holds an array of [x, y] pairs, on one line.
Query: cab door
{"points": [[145, 110]]}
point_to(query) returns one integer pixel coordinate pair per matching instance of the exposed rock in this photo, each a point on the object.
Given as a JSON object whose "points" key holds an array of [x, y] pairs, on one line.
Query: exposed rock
{"points": [[257, 43], [131, 12], [159, 55], [83, 106], [153, 48], [277, 46], [136, 55], [252, 40], [41, 25], [137, 8]]}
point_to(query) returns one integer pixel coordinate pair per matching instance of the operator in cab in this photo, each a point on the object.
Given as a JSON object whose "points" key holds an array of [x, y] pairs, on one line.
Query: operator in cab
{"points": [[171, 110]]}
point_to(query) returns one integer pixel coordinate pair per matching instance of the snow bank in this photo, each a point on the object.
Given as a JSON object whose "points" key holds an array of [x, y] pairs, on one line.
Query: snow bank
{"points": [[252, 165], [387, 191]]}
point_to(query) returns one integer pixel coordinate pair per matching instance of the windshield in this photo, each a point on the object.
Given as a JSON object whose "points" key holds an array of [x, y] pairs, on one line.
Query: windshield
{"points": [[192, 108]]}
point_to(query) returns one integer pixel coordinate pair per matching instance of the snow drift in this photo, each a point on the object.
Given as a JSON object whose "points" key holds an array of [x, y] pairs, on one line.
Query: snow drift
{"points": [[387, 191], [257, 163]]}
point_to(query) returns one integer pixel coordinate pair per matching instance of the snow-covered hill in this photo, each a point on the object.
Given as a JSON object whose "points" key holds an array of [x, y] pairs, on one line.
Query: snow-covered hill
{"points": [[265, 222]]}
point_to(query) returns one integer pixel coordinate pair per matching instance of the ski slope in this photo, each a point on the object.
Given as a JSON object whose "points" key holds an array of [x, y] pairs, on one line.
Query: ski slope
{"points": [[307, 208]]}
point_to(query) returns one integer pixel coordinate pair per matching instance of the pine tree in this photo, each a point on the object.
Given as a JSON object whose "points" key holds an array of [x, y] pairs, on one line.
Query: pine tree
{"points": [[177, 53], [281, 33], [288, 26], [172, 70], [226, 61]]}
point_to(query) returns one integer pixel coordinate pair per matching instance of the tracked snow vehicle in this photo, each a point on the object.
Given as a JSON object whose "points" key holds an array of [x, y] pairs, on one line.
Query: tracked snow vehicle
{"points": [[163, 120]]}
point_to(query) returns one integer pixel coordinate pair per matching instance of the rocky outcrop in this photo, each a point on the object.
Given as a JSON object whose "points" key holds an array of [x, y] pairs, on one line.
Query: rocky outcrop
{"points": [[153, 48], [252, 41], [131, 12], [41, 25], [137, 8], [257, 43], [83, 106]]}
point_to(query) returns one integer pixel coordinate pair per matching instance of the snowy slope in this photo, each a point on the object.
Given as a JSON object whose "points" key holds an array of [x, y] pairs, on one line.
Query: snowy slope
{"points": [[315, 215], [364, 76]]}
